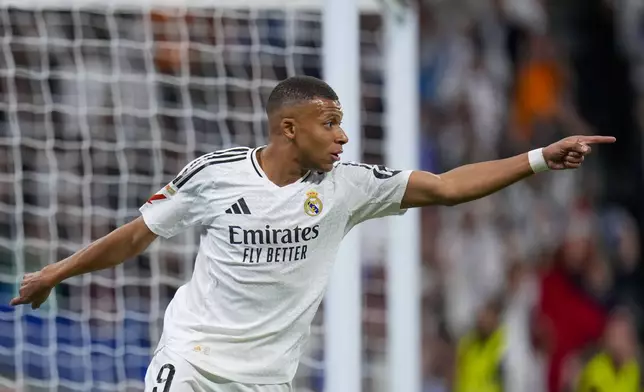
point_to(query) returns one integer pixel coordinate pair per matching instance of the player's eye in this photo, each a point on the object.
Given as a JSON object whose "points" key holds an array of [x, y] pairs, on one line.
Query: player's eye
{"points": [[331, 123]]}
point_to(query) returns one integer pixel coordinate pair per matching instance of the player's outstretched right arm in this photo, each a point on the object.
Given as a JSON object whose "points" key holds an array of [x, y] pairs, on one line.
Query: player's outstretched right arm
{"points": [[474, 181], [123, 243]]}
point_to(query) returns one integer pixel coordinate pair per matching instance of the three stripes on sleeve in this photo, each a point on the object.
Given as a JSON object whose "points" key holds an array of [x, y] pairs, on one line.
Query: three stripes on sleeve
{"points": [[213, 158]]}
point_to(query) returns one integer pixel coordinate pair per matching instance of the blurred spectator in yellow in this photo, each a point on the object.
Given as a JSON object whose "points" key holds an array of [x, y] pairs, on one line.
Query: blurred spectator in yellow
{"points": [[479, 357], [615, 367]]}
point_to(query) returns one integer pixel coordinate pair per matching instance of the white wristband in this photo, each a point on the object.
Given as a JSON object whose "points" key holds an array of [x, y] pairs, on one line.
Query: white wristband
{"points": [[537, 161]]}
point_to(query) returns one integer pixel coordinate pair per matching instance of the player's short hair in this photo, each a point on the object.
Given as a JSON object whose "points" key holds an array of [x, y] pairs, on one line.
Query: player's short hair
{"points": [[297, 89]]}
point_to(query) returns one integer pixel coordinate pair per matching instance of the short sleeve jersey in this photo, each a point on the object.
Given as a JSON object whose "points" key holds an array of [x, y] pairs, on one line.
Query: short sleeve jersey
{"points": [[264, 258]]}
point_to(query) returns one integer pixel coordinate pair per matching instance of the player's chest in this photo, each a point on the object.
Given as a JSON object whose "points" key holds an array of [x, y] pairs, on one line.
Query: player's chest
{"points": [[282, 226], [298, 205]]}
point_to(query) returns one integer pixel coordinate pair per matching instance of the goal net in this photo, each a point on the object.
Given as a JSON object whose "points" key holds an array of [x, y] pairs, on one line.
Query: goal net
{"points": [[99, 106]]}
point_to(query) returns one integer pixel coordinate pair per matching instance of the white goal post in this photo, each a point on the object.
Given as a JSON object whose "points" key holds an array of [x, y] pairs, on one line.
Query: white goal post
{"points": [[404, 251], [342, 306], [343, 330], [101, 102]]}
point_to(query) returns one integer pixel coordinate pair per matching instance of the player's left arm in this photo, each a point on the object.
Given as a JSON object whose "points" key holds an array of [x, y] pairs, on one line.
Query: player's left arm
{"points": [[474, 181]]}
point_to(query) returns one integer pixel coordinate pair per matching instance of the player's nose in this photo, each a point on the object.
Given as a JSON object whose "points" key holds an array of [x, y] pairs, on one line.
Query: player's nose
{"points": [[342, 137]]}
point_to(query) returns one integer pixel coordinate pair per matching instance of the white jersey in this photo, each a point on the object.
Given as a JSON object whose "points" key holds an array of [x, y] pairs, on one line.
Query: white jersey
{"points": [[264, 259]]}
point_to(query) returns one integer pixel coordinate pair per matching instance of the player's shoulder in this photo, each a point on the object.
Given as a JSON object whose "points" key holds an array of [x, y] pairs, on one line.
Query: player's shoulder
{"points": [[350, 166], [219, 159], [236, 153], [351, 170], [212, 165]]}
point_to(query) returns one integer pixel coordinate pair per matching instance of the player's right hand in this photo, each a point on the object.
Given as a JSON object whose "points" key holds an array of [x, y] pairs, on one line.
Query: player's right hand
{"points": [[34, 289], [569, 153]]}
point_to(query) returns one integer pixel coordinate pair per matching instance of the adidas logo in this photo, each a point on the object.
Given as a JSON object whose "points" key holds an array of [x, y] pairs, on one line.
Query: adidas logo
{"points": [[239, 208]]}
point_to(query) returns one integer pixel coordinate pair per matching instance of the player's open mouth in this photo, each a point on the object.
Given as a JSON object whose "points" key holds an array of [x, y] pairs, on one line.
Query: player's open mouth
{"points": [[336, 157]]}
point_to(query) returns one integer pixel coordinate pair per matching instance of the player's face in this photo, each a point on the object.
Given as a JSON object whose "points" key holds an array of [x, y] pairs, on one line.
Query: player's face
{"points": [[319, 135]]}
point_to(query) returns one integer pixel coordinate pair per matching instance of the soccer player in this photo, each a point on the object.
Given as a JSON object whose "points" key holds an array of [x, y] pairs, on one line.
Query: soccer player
{"points": [[273, 218]]}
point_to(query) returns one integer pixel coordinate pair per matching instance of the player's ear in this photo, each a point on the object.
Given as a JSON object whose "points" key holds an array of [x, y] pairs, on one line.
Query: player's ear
{"points": [[288, 127]]}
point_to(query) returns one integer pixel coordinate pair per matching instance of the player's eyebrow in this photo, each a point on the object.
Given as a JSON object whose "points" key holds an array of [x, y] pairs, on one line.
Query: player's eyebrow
{"points": [[331, 116], [328, 111], [331, 113]]}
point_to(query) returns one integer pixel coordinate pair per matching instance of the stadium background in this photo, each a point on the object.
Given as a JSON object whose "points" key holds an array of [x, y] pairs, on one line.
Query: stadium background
{"points": [[555, 255]]}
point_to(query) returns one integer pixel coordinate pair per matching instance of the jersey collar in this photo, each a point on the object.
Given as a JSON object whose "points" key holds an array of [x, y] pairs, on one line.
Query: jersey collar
{"points": [[260, 172]]}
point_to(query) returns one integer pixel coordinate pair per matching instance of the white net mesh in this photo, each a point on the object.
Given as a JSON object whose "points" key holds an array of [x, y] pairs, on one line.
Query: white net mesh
{"points": [[98, 109]]}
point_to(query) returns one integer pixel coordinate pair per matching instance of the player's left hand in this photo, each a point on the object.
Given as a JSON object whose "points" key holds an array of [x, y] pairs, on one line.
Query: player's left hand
{"points": [[35, 288], [569, 153]]}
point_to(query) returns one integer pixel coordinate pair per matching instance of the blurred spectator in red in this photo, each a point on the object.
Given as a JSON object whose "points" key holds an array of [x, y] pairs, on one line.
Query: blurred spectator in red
{"points": [[573, 318]]}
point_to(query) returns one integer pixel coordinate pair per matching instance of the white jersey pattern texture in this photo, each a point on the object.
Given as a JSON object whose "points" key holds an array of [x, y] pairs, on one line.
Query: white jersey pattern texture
{"points": [[264, 259]]}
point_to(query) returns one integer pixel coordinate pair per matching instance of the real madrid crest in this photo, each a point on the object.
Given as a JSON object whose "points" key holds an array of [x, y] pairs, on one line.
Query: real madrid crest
{"points": [[313, 204]]}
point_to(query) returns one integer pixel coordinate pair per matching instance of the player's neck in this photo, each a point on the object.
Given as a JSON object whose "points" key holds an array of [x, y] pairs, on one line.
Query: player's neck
{"points": [[280, 164]]}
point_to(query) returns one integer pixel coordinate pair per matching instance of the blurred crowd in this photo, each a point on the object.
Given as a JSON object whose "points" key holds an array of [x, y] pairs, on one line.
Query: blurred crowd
{"points": [[537, 288]]}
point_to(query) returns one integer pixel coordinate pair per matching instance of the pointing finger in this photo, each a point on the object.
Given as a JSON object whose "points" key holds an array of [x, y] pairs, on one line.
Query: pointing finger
{"points": [[18, 301], [596, 139]]}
